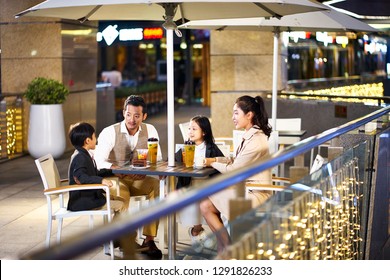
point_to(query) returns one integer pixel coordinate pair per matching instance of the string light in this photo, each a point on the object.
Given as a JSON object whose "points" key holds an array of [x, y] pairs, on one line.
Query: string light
{"points": [[314, 229], [363, 90], [11, 127]]}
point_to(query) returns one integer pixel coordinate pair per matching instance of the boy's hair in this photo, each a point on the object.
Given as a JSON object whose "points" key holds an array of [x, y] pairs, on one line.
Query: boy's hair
{"points": [[136, 101], [79, 133]]}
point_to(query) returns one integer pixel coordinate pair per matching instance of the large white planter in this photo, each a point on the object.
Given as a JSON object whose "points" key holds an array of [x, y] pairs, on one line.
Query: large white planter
{"points": [[46, 133]]}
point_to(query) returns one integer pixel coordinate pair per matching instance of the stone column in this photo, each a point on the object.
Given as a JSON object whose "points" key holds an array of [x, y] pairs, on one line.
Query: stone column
{"points": [[241, 64], [49, 47]]}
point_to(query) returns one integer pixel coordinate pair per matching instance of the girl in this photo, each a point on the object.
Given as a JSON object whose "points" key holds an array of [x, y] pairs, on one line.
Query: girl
{"points": [[200, 133], [248, 114]]}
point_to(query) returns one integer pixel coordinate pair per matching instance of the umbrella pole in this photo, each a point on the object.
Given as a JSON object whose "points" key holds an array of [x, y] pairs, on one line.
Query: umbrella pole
{"points": [[170, 99], [171, 140], [275, 79]]}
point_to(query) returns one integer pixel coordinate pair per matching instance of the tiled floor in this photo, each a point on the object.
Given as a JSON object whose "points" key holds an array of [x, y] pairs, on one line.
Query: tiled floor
{"points": [[23, 212]]}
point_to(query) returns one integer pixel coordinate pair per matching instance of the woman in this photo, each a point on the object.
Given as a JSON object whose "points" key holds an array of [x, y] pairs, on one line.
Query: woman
{"points": [[249, 114], [200, 133]]}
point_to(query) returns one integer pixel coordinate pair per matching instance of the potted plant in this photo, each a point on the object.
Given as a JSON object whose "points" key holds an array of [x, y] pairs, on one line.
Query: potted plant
{"points": [[46, 133]]}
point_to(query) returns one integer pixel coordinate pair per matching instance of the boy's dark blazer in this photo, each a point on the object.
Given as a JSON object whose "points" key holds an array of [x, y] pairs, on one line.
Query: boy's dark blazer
{"points": [[82, 170]]}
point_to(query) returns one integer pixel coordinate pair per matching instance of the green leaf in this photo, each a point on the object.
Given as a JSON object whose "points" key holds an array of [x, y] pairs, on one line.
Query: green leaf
{"points": [[46, 91]]}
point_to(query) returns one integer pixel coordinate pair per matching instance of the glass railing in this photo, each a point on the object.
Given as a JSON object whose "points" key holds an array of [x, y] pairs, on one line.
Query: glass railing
{"points": [[324, 215], [321, 216]]}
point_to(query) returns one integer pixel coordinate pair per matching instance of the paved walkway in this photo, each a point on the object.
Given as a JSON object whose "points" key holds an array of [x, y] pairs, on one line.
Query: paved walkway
{"points": [[23, 212]]}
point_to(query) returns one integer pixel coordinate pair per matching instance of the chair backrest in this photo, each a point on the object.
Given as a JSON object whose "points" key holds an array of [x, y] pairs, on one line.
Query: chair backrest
{"points": [[184, 130], [289, 124], [225, 149], [178, 147], [273, 142], [48, 170]]}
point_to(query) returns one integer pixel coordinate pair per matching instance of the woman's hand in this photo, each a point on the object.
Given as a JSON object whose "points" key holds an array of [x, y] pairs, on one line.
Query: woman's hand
{"points": [[209, 161]]}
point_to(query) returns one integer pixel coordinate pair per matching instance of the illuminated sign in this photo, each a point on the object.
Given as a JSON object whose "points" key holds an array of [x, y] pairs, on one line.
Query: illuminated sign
{"points": [[323, 37], [153, 33], [374, 46], [111, 33], [342, 40]]}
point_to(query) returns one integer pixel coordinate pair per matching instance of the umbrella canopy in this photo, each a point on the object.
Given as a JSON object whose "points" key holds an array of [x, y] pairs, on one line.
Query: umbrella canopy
{"points": [[169, 11], [329, 20], [154, 9]]}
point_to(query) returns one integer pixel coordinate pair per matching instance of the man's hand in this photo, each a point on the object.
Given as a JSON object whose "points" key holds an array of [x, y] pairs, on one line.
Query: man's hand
{"points": [[120, 176], [135, 177], [107, 182], [130, 176]]}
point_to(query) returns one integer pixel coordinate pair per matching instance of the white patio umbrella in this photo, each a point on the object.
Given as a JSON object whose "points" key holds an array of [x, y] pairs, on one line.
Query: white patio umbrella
{"points": [[329, 20], [169, 11]]}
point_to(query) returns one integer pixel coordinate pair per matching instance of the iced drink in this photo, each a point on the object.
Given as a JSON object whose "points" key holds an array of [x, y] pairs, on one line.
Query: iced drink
{"points": [[142, 153], [189, 150], [152, 150]]}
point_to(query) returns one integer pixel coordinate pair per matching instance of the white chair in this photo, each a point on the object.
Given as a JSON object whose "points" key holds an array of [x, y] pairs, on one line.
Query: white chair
{"points": [[288, 124], [178, 147], [319, 148], [184, 130], [225, 149], [52, 189], [279, 184], [235, 140]]}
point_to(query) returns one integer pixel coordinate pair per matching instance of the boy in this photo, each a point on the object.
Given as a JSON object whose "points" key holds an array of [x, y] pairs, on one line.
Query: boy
{"points": [[82, 170]]}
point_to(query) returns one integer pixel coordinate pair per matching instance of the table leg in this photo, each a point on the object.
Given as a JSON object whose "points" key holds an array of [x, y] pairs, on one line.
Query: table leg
{"points": [[171, 224], [162, 225]]}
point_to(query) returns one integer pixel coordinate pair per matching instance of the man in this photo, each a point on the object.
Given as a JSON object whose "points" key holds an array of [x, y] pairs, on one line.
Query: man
{"points": [[116, 146]]}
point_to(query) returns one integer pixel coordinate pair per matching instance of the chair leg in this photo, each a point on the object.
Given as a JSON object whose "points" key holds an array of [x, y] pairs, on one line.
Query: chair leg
{"points": [[48, 232], [112, 249], [59, 230], [108, 248], [91, 222]]}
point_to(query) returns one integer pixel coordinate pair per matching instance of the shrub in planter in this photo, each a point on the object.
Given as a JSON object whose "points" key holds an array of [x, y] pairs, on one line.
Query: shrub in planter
{"points": [[46, 91], [46, 133]]}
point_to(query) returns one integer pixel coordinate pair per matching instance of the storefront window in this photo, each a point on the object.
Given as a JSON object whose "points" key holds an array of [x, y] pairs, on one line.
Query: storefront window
{"points": [[309, 58]]}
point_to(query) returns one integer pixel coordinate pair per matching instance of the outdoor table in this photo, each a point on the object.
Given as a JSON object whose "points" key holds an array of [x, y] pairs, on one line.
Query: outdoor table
{"points": [[162, 169]]}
